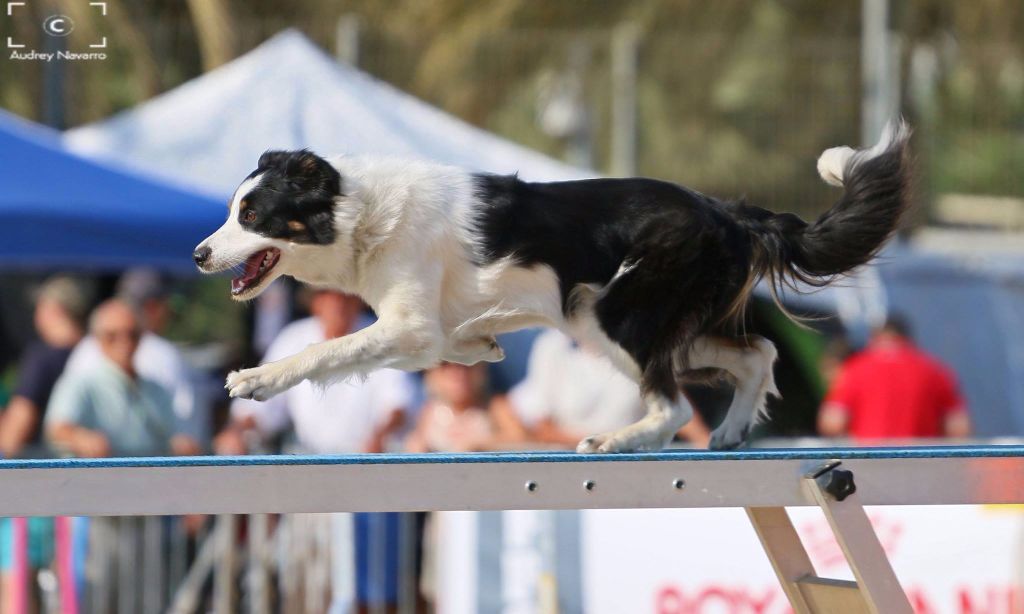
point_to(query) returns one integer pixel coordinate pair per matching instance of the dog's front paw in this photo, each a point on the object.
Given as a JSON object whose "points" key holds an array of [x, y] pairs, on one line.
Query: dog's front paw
{"points": [[624, 441], [259, 383], [590, 445], [609, 443]]}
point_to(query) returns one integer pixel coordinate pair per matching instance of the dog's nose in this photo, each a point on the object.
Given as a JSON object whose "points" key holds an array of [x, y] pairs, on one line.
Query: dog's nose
{"points": [[201, 255]]}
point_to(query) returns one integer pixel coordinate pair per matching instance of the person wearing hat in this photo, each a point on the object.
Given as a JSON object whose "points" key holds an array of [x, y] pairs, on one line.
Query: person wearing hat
{"points": [[60, 312]]}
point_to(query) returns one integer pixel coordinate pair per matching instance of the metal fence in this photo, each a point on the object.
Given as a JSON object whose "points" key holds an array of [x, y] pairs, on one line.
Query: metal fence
{"points": [[257, 563]]}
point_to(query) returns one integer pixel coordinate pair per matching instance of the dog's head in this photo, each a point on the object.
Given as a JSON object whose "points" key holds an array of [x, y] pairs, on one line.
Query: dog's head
{"points": [[287, 202]]}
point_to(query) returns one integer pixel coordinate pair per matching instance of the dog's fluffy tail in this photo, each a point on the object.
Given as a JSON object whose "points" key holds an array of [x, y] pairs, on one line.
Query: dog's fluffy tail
{"points": [[786, 249]]}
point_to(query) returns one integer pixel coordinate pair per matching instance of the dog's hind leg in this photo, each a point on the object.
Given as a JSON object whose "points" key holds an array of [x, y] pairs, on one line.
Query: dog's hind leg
{"points": [[667, 409], [675, 284], [749, 361]]}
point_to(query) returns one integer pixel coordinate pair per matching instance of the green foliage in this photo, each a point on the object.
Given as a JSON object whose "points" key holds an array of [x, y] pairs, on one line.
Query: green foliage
{"points": [[735, 97], [203, 312]]}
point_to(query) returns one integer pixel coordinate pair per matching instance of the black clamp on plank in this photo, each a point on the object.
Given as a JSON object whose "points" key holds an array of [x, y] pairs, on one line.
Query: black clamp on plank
{"points": [[836, 482]]}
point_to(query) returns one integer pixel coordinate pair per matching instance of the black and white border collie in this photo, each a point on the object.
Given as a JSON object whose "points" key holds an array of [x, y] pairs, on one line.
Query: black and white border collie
{"points": [[652, 275]]}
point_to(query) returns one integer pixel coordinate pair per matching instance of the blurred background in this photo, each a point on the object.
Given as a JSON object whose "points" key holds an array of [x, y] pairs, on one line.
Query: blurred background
{"points": [[126, 126]]}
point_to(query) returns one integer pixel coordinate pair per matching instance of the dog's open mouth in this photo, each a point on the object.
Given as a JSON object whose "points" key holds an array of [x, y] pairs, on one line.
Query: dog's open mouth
{"points": [[256, 268]]}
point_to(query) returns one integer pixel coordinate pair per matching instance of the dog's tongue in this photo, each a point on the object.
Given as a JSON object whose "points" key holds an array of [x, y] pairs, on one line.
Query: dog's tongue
{"points": [[252, 268]]}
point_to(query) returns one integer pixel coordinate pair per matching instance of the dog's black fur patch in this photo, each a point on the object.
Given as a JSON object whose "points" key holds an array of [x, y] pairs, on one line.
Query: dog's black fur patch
{"points": [[689, 261], [294, 199], [584, 230], [686, 257]]}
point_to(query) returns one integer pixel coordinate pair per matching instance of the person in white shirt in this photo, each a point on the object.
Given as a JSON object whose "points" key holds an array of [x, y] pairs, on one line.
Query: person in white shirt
{"points": [[357, 415], [569, 393]]}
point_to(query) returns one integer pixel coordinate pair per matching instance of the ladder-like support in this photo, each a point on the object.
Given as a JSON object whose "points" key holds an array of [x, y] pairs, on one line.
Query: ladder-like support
{"points": [[876, 591]]}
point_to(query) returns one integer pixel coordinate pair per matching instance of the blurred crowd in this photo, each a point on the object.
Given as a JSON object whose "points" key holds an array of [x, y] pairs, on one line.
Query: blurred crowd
{"points": [[101, 380]]}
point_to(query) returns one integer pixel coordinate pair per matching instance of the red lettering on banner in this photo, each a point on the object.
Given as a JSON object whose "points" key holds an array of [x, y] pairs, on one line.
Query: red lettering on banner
{"points": [[712, 594], [919, 601], [968, 605], [669, 601], [718, 599], [996, 600], [725, 599], [760, 606], [824, 550]]}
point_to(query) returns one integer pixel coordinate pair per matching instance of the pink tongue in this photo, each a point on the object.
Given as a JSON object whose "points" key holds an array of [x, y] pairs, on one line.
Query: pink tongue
{"points": [[252, 265], [252, 268]]}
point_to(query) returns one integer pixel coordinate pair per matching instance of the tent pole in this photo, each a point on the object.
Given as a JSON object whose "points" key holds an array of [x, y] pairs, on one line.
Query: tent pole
{"points": [[347, 34]]}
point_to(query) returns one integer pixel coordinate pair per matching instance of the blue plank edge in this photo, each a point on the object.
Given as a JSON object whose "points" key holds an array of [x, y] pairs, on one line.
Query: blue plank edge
{"points": [[879, 453]]}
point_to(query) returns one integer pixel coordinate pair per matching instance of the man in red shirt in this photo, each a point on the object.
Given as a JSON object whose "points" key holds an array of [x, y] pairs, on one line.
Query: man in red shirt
{"points": [[892, 389]]}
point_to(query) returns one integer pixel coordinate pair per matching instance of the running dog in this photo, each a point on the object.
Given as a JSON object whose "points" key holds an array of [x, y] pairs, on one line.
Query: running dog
{"points": [[652, 275]]}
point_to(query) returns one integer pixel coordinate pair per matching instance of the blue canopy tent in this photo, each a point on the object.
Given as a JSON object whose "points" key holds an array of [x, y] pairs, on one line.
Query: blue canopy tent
{"points": [[62, 211]]}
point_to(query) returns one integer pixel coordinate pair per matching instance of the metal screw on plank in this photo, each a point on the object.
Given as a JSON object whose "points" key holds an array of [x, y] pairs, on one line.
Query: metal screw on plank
{"points": [[589, 485], [678, 484], [531, 486]]}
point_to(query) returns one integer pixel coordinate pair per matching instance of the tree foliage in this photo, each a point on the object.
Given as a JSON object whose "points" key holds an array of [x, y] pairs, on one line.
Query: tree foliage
{"points": [[734, 96]]}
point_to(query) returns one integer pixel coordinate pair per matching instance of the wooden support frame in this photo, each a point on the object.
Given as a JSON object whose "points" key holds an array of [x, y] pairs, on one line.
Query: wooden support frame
{"points": [[876, 591]]}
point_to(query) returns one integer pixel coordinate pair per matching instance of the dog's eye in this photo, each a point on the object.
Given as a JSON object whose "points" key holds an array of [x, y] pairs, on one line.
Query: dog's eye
{"points": [[249, 216]]}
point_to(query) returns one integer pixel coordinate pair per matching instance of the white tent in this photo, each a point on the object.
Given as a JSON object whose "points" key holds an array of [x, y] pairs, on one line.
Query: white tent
{"points": [[288, 94]]}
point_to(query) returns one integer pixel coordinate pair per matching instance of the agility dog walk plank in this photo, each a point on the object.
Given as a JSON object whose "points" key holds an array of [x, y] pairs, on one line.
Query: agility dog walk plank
{"points": [[498, 481], [764, 481]]}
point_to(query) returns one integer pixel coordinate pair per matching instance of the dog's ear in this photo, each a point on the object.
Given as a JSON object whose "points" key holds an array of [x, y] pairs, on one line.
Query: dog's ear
{"points": [[302, 170], [305, 164], [309, 170], [272, 158]]}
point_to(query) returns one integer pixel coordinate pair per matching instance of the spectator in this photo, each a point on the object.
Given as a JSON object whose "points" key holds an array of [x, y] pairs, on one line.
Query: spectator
{"points": [[111, 410], [569, 394], [892, 389], [157, 359], [454, 419], [61, 308], [361, 415], [354, 416], [455, 416], [60, 312]]}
